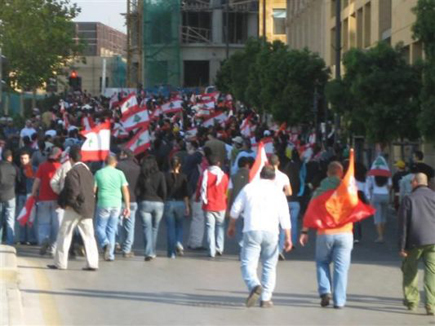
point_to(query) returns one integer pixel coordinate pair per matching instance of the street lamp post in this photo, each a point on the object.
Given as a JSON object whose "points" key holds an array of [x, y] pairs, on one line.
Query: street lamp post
{"points": [[337, 59]]}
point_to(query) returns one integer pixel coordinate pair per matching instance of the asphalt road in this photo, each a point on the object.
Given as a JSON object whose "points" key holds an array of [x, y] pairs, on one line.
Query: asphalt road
{"points": [[194, 290]]}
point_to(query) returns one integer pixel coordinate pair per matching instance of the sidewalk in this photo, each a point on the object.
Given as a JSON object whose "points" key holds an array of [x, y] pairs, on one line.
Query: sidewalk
{"points": [[10, 297]]}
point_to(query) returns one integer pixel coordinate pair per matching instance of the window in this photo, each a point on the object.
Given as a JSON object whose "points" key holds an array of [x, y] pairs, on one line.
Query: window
{"points": [[279, 16]]}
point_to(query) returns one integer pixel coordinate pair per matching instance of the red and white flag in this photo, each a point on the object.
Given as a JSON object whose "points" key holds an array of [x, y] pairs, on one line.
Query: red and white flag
{"points": [[220, 117], [208, 105], [27, 211], [140, 142], [191, 133], [155, 115], [173, 106], [65, 120], [246, 127], [97, 144], [138, 120], [210, 97], [119, 131], [88, 123], [260, 162], [129, 104], [114, 101]]}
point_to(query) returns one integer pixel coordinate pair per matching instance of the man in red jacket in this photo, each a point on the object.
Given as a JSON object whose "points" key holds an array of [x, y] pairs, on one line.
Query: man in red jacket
{"points": [[213, 192]]}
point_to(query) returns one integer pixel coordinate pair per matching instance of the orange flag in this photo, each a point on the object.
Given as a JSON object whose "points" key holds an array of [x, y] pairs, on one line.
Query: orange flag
{"points": [[345, 198], [337, 207]]}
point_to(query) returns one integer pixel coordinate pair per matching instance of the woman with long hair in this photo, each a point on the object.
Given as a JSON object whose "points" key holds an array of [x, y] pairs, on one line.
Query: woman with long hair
{"points": [[176, 207], [151, 197]]}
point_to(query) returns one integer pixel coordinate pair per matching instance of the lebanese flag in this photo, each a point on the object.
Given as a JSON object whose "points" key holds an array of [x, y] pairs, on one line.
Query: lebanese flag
{"points": [[191, 133], [380, 168], [245, 127], [27, 211], [173, 106], [207, 105], [97, 144], [114, 101], [268, 145], [156, 113], [129, 104], [88, 123], [140, 142], [337, 207], [137, 120], [119, 131], [260, 162], [220, 117], [210, 97]]}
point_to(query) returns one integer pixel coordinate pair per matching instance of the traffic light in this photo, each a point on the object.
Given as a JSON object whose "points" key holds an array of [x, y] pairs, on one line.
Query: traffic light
{"points": [[75, 82]]}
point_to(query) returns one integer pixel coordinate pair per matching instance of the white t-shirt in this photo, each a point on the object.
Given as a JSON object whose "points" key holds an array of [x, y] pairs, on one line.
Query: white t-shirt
{"points": [[27, 132], [263, 206], [281, 180], [372, 188]]}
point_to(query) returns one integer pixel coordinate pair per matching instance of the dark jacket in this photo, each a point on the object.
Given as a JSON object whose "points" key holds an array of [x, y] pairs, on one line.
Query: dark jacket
{"points": [[78, 192], [152, 188], [417, 219], [8, 178], [132, 172]]}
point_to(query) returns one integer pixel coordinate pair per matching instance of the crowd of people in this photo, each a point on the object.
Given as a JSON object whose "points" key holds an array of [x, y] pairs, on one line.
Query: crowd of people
{"points": [[199, 163]]}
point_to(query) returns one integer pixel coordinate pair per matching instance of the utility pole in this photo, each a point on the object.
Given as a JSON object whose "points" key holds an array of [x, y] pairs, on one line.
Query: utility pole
{"points": [[1, 80], [227, 28], [337, 59], [264, 20]]}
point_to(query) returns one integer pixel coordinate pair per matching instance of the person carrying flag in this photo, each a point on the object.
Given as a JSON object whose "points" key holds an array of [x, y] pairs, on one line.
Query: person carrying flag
{"points": [[333, 245], [334, 208]]}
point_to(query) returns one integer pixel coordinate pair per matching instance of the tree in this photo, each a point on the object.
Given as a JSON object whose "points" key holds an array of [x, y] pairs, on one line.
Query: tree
{"points": [[378, 95], [234, 73], [38, 38], [424, 31], [272, 78]]}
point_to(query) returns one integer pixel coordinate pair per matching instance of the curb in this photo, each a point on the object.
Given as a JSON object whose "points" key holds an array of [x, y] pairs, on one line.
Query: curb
{"points": [[11, 307]]}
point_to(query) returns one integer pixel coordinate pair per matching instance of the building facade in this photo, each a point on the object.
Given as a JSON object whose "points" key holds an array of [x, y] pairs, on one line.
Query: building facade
{"points": [[274, 20], [183, 43], [102, 43], [311, 23]]}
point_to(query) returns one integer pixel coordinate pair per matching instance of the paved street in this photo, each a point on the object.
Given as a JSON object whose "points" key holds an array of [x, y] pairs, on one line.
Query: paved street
{"points": [[194, 290]]}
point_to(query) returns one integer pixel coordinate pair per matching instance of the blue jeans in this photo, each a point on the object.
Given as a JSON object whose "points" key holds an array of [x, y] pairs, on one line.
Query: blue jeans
{"points": [[261, 245], [174, 213], [151, 213], [215, 224], [49, 218], [337, 249], [26, 233], [127, 229], [294, 208], [107, 223], [7, 218]]}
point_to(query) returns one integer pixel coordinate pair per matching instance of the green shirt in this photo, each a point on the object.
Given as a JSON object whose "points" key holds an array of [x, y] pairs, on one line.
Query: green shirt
{"points": [[109, 182]]}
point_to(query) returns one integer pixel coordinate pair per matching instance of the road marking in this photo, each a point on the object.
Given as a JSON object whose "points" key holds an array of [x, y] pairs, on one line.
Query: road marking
{"points": [[47, 302]]}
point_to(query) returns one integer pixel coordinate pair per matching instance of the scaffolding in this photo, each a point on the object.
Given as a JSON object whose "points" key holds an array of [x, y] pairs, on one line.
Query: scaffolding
{"points": [[161, 42], [134, 43]]}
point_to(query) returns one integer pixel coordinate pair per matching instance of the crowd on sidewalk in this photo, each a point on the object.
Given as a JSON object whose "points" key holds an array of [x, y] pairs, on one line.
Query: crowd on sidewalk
{"points": [[198, 159]]}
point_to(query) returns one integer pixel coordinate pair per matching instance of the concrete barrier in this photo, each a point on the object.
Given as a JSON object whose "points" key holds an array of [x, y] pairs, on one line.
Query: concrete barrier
{"points": [[10, 297]]}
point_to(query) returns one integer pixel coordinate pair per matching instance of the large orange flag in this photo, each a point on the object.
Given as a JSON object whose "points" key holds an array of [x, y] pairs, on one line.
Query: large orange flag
{"points": [[339, 206]]}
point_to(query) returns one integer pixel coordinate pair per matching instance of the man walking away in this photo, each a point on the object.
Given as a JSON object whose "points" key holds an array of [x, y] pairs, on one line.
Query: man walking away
{"points": [[131, 171], [333, 245], [264, 208], [417, 242], [213, 188], [8, 178], [78, 200], [111, 188]]}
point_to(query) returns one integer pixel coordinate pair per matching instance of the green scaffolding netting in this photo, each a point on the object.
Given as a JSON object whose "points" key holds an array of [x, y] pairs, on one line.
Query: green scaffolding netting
{"points": [[161, 42]]}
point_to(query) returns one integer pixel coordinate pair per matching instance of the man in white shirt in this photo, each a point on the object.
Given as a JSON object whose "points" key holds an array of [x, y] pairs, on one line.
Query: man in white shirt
{"points": [[28, 130], [264, 208], [283, 183]]}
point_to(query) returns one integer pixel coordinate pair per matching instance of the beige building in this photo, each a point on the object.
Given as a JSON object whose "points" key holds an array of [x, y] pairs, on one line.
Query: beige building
{"points": [[276, 13], [311, 23]]}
